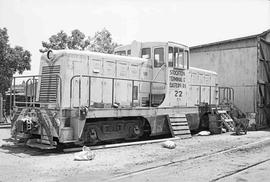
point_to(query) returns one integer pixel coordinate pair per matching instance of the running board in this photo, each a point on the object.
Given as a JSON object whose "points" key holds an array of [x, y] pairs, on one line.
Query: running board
{"points": [[179, 126]]}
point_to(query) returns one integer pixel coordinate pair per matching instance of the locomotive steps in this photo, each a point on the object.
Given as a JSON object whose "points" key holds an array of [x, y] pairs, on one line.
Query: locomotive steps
{"points": [[179, 126]]}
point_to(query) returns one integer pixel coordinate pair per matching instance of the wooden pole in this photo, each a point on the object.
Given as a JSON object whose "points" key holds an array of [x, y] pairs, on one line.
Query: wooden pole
{"points": [[1, 108]]}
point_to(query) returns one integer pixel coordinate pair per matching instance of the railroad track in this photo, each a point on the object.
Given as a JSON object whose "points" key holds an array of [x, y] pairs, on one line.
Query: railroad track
{"points": [[228, 150], [240, 170]]}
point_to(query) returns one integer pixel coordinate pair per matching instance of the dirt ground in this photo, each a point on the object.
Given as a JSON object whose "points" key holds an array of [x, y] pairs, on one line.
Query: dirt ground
{"points": [[18, 163], [247, 163]]}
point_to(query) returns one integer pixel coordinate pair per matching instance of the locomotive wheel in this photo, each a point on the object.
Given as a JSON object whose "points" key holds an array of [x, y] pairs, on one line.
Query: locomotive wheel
{"points": [[93, 136], [134, 132], [90, 136]]}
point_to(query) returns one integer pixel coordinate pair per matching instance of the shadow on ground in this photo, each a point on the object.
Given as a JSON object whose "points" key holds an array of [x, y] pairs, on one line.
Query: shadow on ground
{"points": [[10, 146]]}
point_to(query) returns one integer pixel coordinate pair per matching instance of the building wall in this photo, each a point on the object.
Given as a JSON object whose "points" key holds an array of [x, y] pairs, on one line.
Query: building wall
{"points": [[263, 88], [236, 65]]}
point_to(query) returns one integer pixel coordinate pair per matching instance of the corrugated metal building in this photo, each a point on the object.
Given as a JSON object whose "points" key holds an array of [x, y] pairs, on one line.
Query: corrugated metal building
{"points": [[243, 64]]}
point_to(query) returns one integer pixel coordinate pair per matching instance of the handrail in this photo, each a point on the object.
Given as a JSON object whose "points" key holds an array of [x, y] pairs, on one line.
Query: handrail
{"points": [[26, 90], [200, 91], [33, 90], [228, 93], [34, 84], [161, 68], [116, 78], [113, 81]]}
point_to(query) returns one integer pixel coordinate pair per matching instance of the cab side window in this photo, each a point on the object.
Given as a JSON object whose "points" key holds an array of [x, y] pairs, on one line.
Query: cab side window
{"points": [[158, 57], [128, 52], [186, 58], [146, 53], [170, 60], [122, 53], [178, 58]]}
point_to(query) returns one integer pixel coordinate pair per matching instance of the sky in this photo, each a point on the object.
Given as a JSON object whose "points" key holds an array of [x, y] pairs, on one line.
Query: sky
{"points": [[190, 22]]}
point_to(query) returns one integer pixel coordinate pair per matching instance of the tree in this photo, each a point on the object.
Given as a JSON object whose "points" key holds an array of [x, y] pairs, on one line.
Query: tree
{"points": [[102, 42], [77, 40], [61, 40], [58, 41], [12, 60]]}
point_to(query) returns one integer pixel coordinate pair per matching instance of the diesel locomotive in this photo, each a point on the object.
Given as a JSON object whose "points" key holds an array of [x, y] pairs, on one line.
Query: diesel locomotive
{"points": [[82, 97]]}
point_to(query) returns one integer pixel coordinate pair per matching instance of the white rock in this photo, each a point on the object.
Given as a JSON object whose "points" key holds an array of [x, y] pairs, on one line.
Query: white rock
{"points": [[204, 133], [169, 144], [85, 155]]}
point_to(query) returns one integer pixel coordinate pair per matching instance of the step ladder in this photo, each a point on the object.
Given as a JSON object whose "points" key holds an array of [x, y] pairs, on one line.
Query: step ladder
{"points": [[17, 114], [179, 126], [227, 120], [46, 124]]}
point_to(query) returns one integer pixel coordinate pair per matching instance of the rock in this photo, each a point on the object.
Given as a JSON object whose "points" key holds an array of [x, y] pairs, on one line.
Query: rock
{"points": [[169, 144], [85, 155], [223, 130], [204, 133]]}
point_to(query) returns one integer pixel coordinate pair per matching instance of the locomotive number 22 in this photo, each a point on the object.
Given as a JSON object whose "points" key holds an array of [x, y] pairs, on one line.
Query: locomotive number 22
{"points": [[178, 93]]}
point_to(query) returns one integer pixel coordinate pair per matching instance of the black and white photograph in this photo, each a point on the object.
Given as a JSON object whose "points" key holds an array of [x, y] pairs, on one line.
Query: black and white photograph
{"points": [[134, 90]]}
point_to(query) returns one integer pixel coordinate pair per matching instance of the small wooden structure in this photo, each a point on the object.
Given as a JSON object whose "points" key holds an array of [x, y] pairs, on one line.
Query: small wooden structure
{"points": [[243, 64]]}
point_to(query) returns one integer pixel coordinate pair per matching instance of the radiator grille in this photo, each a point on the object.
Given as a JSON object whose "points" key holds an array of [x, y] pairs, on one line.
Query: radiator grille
{"points": [[49, 82]]}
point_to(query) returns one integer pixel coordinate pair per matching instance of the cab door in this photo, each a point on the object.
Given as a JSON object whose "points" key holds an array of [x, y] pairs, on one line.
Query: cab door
{"points": [[159, 64], [159, 74]]}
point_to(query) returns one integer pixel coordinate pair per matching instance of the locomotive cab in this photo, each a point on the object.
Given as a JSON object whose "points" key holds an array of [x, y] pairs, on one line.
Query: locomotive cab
{"points": [[169, 64]]}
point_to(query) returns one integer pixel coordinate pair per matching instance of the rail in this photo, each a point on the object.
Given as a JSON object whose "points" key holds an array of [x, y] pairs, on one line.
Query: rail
{"points": [[113, 89], [33, 101]]}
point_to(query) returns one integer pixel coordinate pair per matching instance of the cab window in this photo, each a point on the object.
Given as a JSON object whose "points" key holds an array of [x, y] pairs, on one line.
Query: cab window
{"points": [[129, 52], [158, 57], [122, 53], [186, 58], [146, 53], [178, 58], [170, 55]]}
